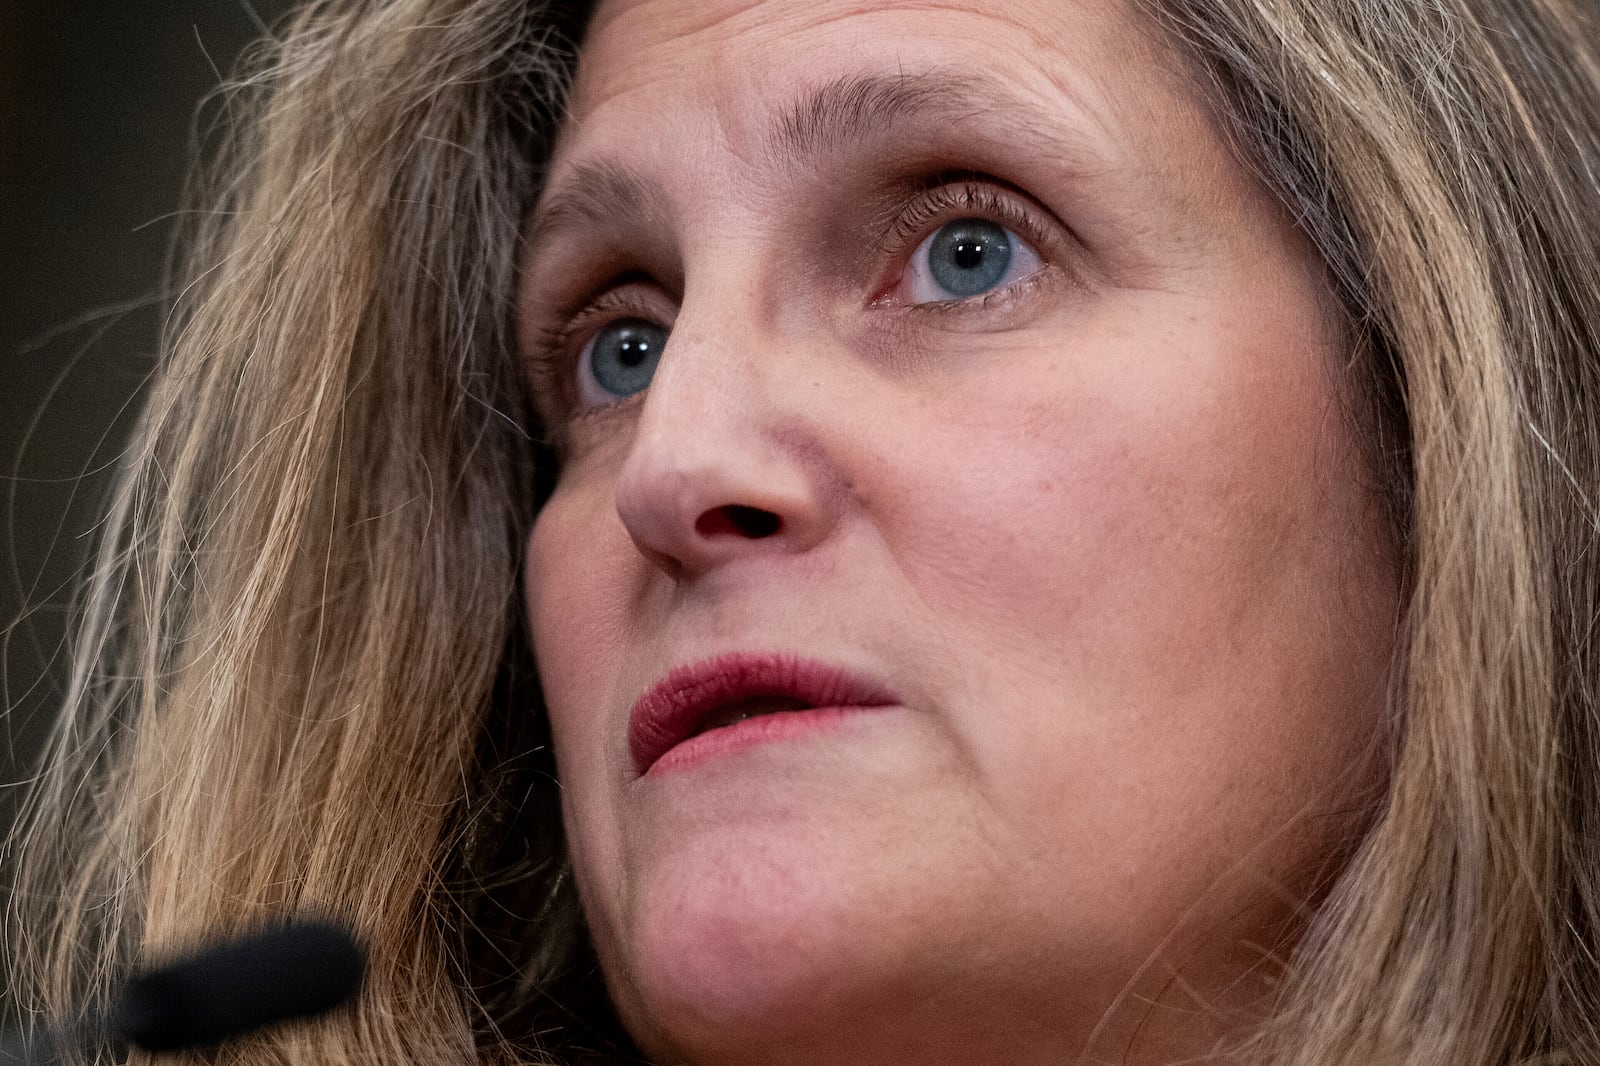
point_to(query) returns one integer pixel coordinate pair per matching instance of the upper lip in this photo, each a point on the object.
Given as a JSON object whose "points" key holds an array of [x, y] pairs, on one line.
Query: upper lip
{"points": [[676, 706]]}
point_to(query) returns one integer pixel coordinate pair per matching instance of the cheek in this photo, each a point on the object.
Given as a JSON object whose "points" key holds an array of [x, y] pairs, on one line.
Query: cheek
{"points": [[578, 626], [553, 596], [1037, 519], [1139, 496], [578, 611], [1170, 565]]}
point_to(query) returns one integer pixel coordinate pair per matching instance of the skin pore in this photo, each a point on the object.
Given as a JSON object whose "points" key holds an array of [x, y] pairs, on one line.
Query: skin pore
{"points": [[1101, 525]]}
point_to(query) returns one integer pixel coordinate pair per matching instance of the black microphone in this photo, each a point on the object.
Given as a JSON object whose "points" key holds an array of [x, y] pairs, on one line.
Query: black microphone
{"points": [[223, 992]]}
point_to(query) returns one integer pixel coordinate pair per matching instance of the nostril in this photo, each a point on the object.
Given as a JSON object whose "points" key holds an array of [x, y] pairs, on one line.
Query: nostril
{"points": [[748, 521]]}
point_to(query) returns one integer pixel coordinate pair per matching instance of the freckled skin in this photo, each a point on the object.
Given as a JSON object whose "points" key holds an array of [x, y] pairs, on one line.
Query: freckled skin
{"points": [[1112, 547]]}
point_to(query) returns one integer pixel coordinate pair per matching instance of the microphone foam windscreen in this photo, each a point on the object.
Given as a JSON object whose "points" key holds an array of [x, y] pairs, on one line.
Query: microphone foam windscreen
{"points": [[236, 988]]}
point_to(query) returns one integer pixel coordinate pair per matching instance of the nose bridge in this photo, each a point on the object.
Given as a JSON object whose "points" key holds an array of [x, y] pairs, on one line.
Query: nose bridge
{"points": [[727, 332], [721, 362], [723, 455]]}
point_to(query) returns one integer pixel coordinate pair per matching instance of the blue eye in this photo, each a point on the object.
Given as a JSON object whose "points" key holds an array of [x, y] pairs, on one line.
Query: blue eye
{"points": [[623, 354], [968, 257]]}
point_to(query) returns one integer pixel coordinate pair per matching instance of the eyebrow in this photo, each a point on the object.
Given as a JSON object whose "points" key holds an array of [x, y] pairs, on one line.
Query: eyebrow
{"points": [[855, 106], [823, 121]]}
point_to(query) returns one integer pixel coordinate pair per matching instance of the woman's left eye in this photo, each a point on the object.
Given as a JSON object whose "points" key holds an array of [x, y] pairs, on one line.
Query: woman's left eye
{"points": [[966, 258]]}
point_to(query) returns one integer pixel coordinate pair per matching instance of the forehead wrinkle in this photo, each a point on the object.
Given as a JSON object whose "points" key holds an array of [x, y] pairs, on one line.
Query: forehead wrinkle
{"points": [[831, 120], [853, 107], [824, 121], [852, 110]]}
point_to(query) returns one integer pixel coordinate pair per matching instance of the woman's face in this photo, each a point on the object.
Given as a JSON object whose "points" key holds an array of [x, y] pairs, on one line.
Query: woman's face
{"points": [[994, 379]]}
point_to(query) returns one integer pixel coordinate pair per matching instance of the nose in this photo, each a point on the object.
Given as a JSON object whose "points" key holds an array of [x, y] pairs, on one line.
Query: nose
{"points": [[726, 459]]}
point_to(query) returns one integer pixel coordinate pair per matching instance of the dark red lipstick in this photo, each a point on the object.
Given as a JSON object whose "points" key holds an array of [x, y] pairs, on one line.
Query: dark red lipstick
{"points": [[727, 689]]}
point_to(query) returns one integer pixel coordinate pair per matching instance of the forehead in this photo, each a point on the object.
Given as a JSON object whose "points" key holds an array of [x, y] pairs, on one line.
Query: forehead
{"points": [[737, 60], [678, 104]]}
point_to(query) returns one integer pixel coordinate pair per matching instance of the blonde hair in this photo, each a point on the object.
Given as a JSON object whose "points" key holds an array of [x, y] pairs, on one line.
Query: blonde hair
{"points": [[303, 682]]}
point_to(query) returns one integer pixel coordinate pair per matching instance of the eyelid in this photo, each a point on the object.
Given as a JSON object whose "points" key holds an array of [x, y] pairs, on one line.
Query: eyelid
{"points": [[555, 349], [964, 194]]}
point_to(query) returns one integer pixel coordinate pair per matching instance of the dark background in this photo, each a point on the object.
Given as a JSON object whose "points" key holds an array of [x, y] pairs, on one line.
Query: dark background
{"points": [[98, 104]]}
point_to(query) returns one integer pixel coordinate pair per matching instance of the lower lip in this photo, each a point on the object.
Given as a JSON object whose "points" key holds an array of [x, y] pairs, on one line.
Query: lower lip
{"points": [[762, 729]]}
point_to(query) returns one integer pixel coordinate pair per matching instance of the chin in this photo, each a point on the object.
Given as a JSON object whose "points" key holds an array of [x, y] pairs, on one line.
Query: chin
{"points": [[739, 958]]}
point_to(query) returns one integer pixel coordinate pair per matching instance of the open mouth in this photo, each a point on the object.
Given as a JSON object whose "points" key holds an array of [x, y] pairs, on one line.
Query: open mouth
{"points": [[753, 707], [734, 687]]}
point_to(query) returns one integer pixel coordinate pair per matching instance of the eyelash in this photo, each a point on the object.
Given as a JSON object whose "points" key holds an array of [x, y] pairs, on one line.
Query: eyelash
{"points": [[943, 197], [947, 200]]}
